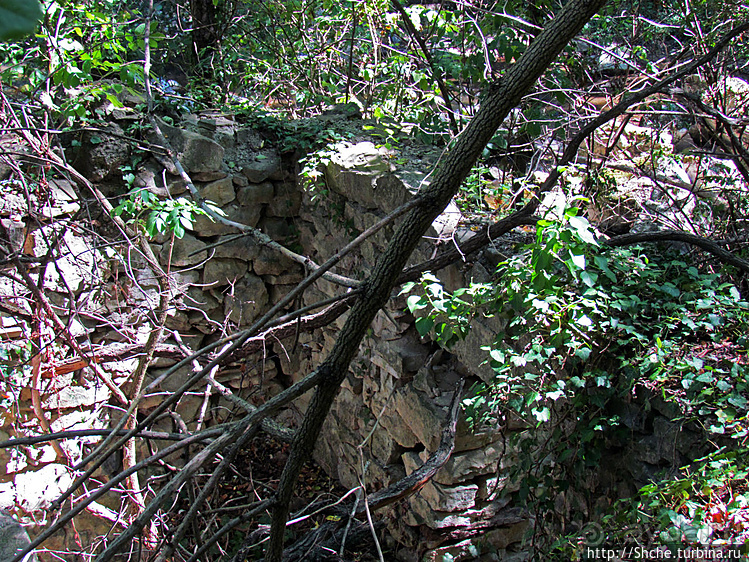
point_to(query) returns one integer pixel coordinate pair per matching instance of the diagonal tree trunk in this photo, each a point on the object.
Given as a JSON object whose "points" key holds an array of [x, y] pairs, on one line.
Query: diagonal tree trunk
{"points": [[500, 98]]}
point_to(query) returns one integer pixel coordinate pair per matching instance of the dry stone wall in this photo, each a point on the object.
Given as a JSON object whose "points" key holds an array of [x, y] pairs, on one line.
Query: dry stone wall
{"points": [[393, 404]]}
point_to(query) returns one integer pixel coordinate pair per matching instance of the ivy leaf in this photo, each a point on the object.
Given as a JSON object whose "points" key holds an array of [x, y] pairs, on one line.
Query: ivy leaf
{"points": [[589, 278], [582, 228], [424, 325], [603, 264], [578, 260], [18, 18], [415, 302], [542, 414]]}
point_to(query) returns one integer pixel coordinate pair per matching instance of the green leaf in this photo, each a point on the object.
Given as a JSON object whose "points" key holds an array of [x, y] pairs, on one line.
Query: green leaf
{"points": [[114, 101], [578, 260], [424, 325], [407, 287], [583, 353], [738, 401], [589, 278], [415, 302], [582, 228], [18, 18], [603, 264], [670, 289], [542, 414]]}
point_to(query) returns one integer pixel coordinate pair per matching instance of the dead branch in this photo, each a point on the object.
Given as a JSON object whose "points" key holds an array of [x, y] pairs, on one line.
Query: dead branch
{"points": [[701, 242], [293, 326], [84, 502], [230, 435], [416, 480], [523, 216], [329, 534], [76, 433], [62, 330]]}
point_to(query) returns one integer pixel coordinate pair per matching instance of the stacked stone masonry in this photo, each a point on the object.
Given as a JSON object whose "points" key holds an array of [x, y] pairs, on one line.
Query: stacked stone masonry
{"points": [[392, 407]]}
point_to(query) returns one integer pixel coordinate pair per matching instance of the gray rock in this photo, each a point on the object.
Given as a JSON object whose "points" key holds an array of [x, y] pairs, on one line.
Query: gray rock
{"points": [[219, 271], [285, 281], [219, 192], [76, 268], [196, 152], [240, 181], [510, 534], [419, 513], [182, 250], [384, 447], [465, 466], [246, 301], [661, 445], [271, 262], [102, 153], [469, 437], [203, 298], [420, 414], [354, 172], [237, 248], [75, 397], [286, 202], [256, 194], [265, 165], [63, 190], [209, 176], [245, 215], [250, 138], [16, 230], [36, 489], [277, 228], [13, 539], [469, 351]]}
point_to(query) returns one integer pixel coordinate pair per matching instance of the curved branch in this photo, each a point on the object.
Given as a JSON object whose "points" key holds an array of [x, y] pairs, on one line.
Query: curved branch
{"points": [[90, 498], [293, 326], [706, 244], [249, 423], [416, 480], [396, 491]]}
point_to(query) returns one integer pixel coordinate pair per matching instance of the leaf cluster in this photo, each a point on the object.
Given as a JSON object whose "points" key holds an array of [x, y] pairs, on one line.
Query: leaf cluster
{"points": [[156, 216], [587, 326]]}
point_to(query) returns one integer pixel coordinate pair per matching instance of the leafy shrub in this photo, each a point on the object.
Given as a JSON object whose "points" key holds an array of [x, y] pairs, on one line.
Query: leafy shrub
{"points": [[587, 325]]}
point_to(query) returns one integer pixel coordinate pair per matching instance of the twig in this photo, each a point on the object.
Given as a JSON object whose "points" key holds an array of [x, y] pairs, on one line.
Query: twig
{"points": [[77, 433], [229, 435], [83, 503], [62, 329], [706, 244], [261, 506], [436, 72], [348, 525]]}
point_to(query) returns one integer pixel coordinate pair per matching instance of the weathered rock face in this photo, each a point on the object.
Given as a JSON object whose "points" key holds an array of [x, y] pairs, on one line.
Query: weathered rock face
{"points": [[197, 153], [13, 539], [102, 153], [394, 400]]}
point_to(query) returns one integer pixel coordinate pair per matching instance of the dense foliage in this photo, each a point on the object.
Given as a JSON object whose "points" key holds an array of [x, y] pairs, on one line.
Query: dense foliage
{"points": [[589, 328]]}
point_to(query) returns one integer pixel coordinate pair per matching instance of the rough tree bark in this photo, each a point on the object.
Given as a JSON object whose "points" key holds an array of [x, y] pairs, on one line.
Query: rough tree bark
{"points": [[500, 98], [204, 31]]}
